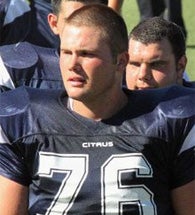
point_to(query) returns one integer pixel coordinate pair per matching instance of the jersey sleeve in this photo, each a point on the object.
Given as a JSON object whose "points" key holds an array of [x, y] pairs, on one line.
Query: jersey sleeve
{"points": [[184, 165], [12, 164]]}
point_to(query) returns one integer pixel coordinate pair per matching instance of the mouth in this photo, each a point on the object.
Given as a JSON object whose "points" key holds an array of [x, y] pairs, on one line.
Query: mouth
{"points": [[144, 88], [76, 81]]}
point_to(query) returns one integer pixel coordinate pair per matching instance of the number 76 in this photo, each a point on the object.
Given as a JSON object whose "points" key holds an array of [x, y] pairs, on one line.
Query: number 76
{"points": [[114, 195]]}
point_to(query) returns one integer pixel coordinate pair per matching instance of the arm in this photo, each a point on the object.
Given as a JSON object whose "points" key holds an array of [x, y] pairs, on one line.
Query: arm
{"points": [[13, 198], [115, 5], [184, 199]]}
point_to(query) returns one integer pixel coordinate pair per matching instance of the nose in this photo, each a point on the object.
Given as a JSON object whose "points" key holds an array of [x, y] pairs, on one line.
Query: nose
{"points": [[144, 72], [73, 63]]}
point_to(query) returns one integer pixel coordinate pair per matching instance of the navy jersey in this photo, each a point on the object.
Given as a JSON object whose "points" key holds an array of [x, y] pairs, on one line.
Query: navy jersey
{"points": [[30, 65], [21, 21], [188, 83], [15, 21], [127, 164]]}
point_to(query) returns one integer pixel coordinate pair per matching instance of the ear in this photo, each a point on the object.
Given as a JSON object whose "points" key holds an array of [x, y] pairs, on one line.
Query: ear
{"points": [[181, 65], [52, 20], [122, 61]]}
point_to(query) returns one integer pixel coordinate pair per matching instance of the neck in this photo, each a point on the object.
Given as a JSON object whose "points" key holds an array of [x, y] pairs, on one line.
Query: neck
{"points": [[98, 110]]}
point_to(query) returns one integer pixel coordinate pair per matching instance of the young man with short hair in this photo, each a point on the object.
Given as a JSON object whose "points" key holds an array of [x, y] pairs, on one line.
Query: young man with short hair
{"points": [[98, 149], [157, 53]]}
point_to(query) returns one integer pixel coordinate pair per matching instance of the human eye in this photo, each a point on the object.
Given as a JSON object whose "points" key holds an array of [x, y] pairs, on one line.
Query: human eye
{"points": [[86, 53], [134, 64], [158, 64], [65, 52]]}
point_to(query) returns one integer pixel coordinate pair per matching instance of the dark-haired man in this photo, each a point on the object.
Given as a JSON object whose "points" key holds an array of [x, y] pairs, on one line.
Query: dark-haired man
{"points": [[157, 53]]}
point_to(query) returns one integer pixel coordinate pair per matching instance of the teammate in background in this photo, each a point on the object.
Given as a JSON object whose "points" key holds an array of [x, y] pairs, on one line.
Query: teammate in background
{"points": [[27, 64], [22, 20], [40, 11], [40, 32], [157, 55], [101, 149], [63, 8]]}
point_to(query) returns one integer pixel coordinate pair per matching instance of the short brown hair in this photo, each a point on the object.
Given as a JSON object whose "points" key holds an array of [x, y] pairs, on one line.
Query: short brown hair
{"points": [[110, 23], [155, 29]]}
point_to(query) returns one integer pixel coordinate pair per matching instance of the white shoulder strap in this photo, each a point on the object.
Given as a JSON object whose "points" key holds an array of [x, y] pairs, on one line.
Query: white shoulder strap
{"points": [[3, 137], [5, 79]]}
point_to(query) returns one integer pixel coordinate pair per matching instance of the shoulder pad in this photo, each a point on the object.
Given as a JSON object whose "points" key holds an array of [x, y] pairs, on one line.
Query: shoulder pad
{"points": [[19, 56]]}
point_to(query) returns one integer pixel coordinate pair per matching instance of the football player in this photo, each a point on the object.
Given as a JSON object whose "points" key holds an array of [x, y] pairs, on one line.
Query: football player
{"points": [[98, 149], [157, 53], [25, 63]]}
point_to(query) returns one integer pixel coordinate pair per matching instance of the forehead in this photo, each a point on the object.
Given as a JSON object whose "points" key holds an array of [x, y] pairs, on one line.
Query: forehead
{"points": [[81, 36], [162, 47]]}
